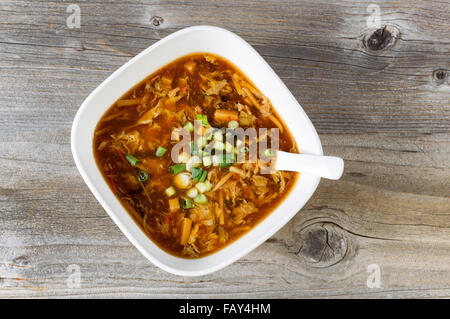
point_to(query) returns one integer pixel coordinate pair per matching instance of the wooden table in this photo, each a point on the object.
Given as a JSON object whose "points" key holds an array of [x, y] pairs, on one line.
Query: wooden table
{"points": [[378, 96]]}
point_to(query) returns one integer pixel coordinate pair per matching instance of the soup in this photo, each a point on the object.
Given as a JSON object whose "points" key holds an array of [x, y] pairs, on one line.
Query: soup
{"points": [[169, 151]]}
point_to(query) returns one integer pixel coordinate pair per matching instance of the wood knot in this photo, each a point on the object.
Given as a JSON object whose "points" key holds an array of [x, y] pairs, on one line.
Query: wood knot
{"points": [[80, 47], [381, 39], [440, 76], [21, 261], [156, 21], [323, 244]]}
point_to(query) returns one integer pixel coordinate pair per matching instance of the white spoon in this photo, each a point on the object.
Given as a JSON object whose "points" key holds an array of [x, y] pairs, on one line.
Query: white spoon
{"points": [[330, 167]]}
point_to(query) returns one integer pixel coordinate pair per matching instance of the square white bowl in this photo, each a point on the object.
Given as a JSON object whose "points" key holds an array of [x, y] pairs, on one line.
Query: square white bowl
{"points": [[190, 40]]}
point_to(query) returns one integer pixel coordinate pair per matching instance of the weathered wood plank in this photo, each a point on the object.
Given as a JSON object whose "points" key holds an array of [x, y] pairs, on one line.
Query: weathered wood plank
{"points": [[385, 112]]}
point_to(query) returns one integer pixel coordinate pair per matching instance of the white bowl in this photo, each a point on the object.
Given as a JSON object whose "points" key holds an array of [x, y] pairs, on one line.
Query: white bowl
{"points": [[190, 40]]}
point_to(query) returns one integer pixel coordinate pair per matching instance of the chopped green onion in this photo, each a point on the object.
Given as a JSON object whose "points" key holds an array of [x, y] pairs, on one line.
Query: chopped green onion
{"points": [[208, 134], [216, 160], [201, 187], [203, 177], [183, 157], [206, 161], [193, 192], [177, 168], [218, 136], [186, 203], [224, 164], [196, 173], [200, 199], [203, 118], [189, 127], [229, 158], [207, 150], [201, 141], [131, 159], [143, 176], [161, 151], [269, 152], [194, 161], [233, 124], [193, 150], [208, 186], [218, 145], [228, 147], [169, 191]]}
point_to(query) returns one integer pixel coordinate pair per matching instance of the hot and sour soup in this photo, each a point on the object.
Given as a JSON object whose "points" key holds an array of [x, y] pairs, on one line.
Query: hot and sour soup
{"points": [[203, 198]]}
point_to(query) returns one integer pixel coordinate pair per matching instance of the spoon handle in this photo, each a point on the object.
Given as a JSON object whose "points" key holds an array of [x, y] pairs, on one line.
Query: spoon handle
{"points": [[330, 167]]}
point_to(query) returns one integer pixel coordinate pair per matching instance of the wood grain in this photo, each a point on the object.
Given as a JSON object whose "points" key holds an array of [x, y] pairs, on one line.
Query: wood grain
{"points": [[386, 112]]}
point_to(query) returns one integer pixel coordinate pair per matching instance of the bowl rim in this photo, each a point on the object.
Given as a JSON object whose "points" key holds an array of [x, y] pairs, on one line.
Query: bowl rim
{"points": [[137, 242]]}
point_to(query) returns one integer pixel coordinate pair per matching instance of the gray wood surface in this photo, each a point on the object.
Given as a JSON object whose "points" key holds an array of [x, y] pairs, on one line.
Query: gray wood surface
{"points": [[385, 111]]}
